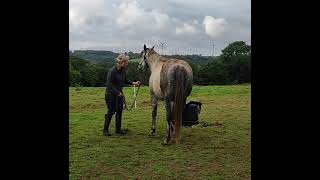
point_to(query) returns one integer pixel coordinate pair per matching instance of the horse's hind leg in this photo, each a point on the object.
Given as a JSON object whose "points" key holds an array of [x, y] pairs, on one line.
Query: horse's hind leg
{"points": [[154, 103], [169, 122]]}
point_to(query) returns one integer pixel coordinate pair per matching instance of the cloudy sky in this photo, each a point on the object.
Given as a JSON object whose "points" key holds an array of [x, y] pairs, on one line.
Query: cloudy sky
{"points": [[187, 26]]}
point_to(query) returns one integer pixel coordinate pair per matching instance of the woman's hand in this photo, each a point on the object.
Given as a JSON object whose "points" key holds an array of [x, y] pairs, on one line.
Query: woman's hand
{"points": [[137, 83]]}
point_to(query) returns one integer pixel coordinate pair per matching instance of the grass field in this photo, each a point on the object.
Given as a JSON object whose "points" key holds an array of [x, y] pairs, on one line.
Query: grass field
{"points": [[221, 151]]}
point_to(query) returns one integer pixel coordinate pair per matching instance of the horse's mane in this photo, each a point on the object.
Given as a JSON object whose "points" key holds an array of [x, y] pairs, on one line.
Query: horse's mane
{"points": [[151, 51]]}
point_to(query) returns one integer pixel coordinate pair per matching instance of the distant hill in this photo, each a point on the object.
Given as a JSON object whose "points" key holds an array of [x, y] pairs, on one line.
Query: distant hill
{"points": [[96, 56]]}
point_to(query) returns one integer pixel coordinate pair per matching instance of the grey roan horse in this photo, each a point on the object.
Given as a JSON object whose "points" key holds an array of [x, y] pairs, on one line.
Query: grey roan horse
{"points": [[171, 81]]}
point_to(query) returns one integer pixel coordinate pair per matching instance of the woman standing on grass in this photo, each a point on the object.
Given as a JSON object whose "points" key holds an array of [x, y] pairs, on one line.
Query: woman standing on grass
{"points": [[116, 80]]}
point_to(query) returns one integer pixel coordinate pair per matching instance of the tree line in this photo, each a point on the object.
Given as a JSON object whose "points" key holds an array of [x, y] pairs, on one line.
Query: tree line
{"points": [[233, 66]]}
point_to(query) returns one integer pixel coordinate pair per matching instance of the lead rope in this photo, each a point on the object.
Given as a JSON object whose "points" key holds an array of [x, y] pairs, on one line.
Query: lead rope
{"points": [[124, 99], [125, 104]]}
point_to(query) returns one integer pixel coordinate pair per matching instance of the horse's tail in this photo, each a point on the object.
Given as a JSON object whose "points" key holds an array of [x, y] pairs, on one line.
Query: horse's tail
{"points": [[179, 101]]}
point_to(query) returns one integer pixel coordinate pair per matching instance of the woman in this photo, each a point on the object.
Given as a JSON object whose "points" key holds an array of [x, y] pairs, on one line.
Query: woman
{"points": [[116, 80]]}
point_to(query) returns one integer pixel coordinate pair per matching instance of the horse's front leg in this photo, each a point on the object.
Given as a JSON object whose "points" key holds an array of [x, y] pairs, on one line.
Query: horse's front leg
{"points": [[169, 122], [154, 103]]}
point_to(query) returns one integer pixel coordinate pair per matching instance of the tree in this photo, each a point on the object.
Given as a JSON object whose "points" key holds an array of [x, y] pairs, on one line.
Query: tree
{"points": [[236, 56], [232, 66]]}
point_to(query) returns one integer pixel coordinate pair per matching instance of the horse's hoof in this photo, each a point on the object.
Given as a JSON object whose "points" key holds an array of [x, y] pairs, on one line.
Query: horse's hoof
{"points": [[165, 142], [152, 133]]}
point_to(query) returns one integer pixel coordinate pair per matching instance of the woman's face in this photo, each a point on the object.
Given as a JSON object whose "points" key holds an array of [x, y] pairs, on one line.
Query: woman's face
{"points": [[124, 63]]}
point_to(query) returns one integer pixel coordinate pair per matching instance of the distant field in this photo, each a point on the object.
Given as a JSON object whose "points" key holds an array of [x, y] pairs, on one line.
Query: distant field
{"points": [[135, 60], [221, 151]]}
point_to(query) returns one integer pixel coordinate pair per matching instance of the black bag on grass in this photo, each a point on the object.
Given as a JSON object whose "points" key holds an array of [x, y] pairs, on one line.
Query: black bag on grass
{"points": [[190, 114]]}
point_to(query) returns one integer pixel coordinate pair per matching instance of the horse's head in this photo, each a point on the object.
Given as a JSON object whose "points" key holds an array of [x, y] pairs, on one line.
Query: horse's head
{"points": [[144, 56]]}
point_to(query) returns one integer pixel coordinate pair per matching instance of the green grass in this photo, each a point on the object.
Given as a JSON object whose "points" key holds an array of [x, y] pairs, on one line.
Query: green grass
{"points": [[214, 152]]}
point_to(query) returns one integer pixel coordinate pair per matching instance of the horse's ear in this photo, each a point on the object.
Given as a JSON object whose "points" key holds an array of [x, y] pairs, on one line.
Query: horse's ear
{"points": [[144, 47], [152, 47]]}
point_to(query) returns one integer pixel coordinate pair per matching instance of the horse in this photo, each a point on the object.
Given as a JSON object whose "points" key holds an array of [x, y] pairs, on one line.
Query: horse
{"points": [[171, 81]]}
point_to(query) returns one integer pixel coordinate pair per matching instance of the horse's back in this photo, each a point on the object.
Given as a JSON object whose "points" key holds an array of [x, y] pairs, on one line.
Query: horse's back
{"points": [[172, 64]]}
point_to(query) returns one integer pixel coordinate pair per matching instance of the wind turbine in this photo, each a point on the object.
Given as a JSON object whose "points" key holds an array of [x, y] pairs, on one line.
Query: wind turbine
{"points": [[162, 46]]}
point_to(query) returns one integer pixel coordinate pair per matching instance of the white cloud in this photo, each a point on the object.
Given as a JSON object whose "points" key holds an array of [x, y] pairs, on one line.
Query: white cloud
{"points": [[123, 25], [162, 20], [132, 15], [186, 29], [129, 14], [75, 19], [214, 27], [82, 12]]}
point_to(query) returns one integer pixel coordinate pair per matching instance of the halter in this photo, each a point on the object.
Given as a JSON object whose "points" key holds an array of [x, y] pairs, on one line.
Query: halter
{"points": [[144, 58]]}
